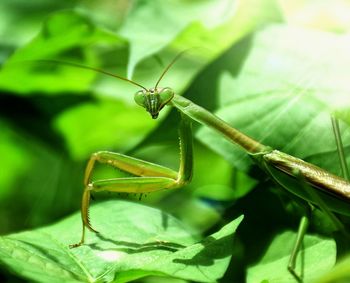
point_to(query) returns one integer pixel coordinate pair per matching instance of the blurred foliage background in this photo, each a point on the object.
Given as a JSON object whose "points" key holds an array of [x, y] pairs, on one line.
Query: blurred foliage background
{"points": [[251, 61]]}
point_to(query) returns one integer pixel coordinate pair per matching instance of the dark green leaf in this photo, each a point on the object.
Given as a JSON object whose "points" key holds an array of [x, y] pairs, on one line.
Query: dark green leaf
{"points": [[91, 127]]}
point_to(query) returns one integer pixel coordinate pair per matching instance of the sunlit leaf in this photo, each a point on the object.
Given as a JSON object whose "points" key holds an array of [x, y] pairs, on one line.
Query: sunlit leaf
{"points": [[153, 25], [316, 257], [283, 94], [136, 241]]}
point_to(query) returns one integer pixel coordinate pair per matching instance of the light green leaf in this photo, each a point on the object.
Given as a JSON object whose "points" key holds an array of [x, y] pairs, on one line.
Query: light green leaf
{"points": [[316, 257], [343, 115], [134, 241], [297, 62], [283, 94], [152, 25], [206, 27]]}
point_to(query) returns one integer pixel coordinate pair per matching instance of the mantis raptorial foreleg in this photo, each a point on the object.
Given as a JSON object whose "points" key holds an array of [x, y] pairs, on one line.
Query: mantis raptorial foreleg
{"points": [[150, 177]]}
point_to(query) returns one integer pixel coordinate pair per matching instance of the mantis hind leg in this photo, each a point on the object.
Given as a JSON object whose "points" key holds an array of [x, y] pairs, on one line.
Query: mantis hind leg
{"points": [[305, 221], [149, 177], [303, 226], [310, 196]]}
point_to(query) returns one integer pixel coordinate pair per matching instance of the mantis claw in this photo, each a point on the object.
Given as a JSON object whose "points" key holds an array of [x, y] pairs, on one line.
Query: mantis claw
{"points": [[72, 246]]}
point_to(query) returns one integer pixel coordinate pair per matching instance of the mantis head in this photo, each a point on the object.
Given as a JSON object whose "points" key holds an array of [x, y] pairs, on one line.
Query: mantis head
{"points": [[154, 99]]}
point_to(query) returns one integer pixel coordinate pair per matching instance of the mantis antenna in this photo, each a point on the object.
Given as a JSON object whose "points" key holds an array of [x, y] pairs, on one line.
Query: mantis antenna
{"points": [[114, 75], [169, 66], [93, 69]]}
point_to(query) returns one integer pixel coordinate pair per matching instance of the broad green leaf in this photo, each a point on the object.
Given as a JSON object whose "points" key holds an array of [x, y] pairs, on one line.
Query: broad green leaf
{"points": [[70, 37], [283, 95], [134, 241], [65, 35], [299, 62], [206, 27], [152, 25], [316, 257]]}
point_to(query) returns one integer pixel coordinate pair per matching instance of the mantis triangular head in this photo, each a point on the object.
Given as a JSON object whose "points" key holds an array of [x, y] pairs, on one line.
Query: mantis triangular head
{"points": [[154, 99]]}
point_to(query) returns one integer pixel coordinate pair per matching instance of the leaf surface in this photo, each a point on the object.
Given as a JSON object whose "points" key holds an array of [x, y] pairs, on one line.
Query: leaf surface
{"points": [[317, 256], [134, 241], [284, 95]]}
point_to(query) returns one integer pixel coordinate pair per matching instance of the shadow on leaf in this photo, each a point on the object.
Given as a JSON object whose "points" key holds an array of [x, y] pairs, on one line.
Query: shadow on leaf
{"points": [[131, 248], [213, 249]]}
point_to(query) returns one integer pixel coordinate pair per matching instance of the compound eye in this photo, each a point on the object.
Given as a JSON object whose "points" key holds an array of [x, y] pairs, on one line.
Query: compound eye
{"points": [[165, 95], [139, 98]]}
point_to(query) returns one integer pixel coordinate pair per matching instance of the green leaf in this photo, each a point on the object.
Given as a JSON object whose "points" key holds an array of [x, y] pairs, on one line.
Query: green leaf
{"points": [[134, 241], [66, 35], [36, 177], [283, 94], [340, 273], [344, 115], [20, 20], [14, 157], [316, 257], [153, 25], [69, 36], [299, 62], [90, 127]]}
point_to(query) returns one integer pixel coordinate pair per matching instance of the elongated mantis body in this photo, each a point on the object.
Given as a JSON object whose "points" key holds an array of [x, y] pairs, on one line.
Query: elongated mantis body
{"points": [[288, 171]]}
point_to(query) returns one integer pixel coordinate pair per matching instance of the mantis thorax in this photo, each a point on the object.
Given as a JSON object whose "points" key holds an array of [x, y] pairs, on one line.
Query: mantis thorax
{"points": [[154, 99]]}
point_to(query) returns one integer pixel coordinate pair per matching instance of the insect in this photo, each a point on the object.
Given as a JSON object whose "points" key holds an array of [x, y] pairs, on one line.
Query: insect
{"points": [[307, 181]]}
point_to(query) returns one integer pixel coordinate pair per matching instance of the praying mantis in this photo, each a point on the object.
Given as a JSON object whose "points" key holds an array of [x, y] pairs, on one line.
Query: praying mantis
{"points": [[312, 184]]}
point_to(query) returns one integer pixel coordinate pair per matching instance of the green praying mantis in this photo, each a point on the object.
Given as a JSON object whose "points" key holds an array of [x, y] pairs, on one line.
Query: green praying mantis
{"points": [[307, 181]]}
